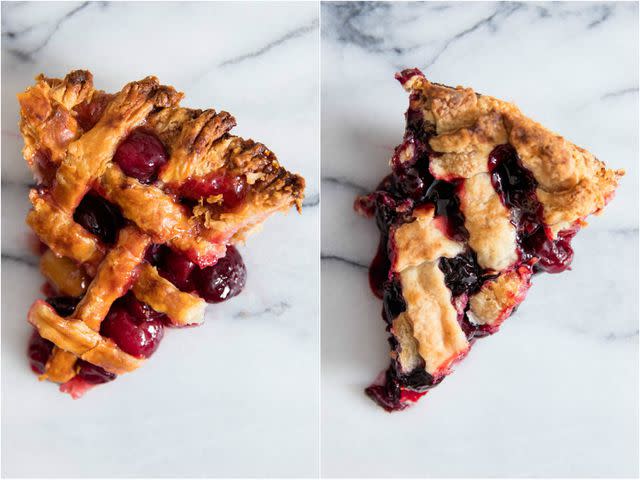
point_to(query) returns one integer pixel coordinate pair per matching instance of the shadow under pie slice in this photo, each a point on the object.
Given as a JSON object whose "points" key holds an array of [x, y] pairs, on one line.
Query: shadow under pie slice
{"points": [[139, 203], [479, 200]]}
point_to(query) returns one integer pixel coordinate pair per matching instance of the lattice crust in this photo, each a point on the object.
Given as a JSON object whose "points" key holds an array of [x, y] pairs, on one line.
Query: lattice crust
{"points": [[572, 183], [71, 132], [464, 128]]}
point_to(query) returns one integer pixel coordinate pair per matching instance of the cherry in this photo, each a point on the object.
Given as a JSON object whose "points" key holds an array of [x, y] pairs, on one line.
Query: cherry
{"points": [[141, 155], [232, 188], [99, 217], [177, 268], [137, 338], [93, 373], [89, 112], [153, 253], [224, 280], [39, 351], [64, 306], [516, 187]]}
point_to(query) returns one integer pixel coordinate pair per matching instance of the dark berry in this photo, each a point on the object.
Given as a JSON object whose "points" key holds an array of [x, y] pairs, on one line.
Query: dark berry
{"points": [[89, 112], [178, 269], [93, 373], [141, 155], [140, 311], [393, 300], [444, 196], [223, 280], [64, 306], [139, 339], [153, 253], [99, 217], [39, 352], [462, 274], [516, 187], [379, 268]]}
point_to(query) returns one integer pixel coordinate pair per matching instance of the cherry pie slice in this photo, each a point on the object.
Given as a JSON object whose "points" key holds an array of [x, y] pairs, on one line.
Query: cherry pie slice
{"points": [[137, 206], [479, 200]]}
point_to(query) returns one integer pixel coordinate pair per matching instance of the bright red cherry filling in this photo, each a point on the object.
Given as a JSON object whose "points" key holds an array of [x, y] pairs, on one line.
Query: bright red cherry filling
{"points": [[99, 217], [39, 351], [139, 338], [224, 280], [516, 187], [141, 155], [233, 189], [93, 374]]}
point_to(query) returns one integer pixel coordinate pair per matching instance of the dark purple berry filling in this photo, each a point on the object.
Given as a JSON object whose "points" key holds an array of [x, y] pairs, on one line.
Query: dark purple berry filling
{"points": [[462, 274], [516, 187], [99, 217], [64, 306]]}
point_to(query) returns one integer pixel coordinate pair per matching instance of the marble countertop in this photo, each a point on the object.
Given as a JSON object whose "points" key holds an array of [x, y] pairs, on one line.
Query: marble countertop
{"points": [[555, 392], [214, 401]]}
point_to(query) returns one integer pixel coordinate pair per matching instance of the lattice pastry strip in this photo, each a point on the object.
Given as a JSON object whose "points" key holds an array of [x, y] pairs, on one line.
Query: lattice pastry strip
{"points": [[480, 199], [202, 190]]}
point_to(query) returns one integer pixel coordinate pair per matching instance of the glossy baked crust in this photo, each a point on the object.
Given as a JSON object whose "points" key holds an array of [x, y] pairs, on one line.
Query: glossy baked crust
{"points": [[71, 132], [461, 135], [572, 183]]}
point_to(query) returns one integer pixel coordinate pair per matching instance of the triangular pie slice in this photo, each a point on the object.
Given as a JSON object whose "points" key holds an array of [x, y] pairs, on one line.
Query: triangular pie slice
{"points": [[137, 206], [480, 199]]}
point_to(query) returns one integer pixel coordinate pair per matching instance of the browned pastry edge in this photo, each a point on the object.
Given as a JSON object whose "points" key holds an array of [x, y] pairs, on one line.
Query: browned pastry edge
{"points": [[572, 183]]}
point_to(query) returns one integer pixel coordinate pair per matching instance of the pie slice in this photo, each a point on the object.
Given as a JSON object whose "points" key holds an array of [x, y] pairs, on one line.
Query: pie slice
{"points": [[137, 206], [480, 199]]}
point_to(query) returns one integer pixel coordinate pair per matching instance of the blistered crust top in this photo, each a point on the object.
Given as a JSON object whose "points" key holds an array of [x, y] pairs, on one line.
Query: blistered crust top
{"points": [[440, 340], [572, 183], [491, 233], [497, 298], [422, 241]]}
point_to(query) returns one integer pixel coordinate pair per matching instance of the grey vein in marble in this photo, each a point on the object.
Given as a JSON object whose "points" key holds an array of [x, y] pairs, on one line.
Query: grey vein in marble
{"points": [[27, 55], [346, 261], [346, 183], [296, 33]]}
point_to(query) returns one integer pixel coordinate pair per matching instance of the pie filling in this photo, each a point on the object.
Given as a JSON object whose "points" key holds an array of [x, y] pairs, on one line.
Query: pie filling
{"points": [[410, 186], [134, 326]]}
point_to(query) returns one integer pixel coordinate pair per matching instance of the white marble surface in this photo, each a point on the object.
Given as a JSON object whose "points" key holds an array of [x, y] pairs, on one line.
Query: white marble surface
{"points": [[555, 392], [239, 395]]}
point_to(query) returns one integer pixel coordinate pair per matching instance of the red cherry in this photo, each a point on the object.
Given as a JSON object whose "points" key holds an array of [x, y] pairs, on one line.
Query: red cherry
{"points": [[141, 155], [224, 280], [232, 189], [139, 339], [39, 352], [178, 269], [93, 373]]}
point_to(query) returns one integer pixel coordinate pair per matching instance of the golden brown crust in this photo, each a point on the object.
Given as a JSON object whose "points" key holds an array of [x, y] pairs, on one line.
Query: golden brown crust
{"points": [[463, 129], [422, 241], [491, 234], [572, 183], [440, 340], [67, 277], [497, 298], [71, 132]]}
